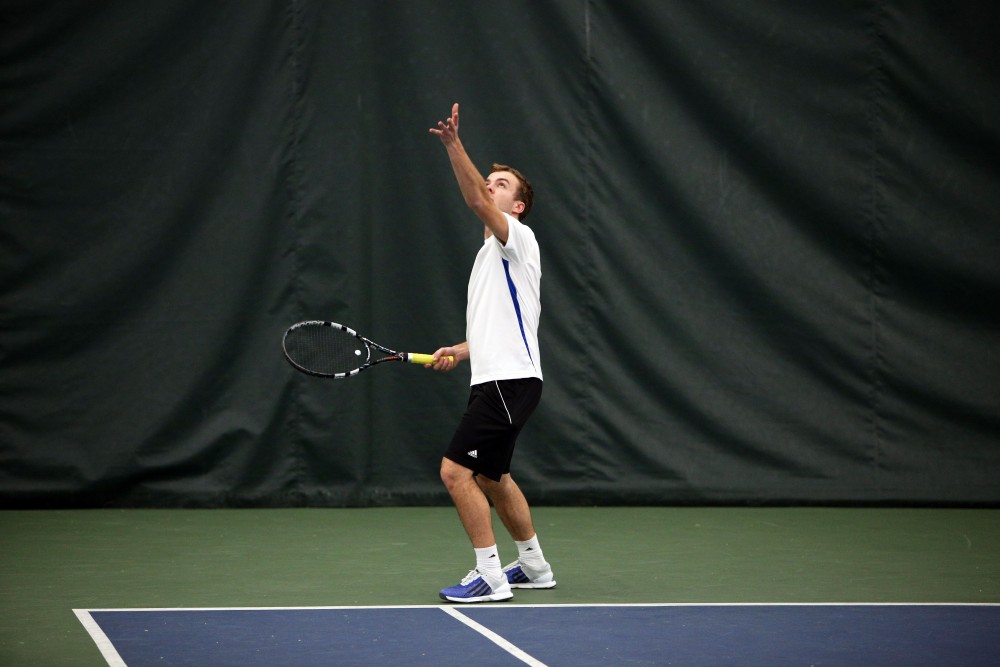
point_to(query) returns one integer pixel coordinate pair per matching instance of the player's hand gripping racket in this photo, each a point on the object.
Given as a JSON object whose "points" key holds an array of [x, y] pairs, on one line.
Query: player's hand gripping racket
{"points": [[331, 350]]}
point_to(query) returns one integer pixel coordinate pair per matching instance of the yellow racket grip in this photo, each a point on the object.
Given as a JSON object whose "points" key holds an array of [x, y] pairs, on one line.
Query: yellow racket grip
{"points": [[422, 359]]}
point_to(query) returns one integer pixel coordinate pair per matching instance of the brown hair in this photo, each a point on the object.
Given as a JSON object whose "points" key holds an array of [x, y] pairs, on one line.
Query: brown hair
{"points": [[525, 193]]}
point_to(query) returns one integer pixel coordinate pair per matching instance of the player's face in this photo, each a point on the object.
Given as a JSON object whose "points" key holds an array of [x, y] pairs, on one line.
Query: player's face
{"points": [[503, 187]]}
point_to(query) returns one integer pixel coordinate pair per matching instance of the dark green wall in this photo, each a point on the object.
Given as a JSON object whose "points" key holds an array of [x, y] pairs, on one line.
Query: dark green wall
{"points": [[769, 230]]}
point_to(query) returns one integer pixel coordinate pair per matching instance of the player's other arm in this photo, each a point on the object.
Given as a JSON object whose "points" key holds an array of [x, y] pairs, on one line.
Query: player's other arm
{"points": [[470, 181]]}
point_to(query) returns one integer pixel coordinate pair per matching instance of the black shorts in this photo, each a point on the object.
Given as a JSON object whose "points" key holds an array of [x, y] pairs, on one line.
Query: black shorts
{"points": [[497, 411]]}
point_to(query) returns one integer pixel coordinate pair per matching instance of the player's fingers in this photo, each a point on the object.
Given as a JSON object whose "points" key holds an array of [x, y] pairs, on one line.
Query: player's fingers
{"points": [[439, 355]]}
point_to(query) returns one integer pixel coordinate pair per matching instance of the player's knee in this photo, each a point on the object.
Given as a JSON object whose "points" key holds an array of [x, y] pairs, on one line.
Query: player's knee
{"points": [[453, 474]]}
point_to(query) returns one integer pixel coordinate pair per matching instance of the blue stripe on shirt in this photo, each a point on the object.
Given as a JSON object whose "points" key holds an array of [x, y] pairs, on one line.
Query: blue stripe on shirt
{"points": [[517, 308]]}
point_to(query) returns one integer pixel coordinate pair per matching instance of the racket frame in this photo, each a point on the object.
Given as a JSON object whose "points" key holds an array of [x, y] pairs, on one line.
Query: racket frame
{"points": [[367, 343]]}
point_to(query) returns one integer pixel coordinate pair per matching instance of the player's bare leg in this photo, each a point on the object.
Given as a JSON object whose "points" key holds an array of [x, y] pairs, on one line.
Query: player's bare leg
{"points": [[487, 582], [511, 506], [471, 503], [530, 570]]}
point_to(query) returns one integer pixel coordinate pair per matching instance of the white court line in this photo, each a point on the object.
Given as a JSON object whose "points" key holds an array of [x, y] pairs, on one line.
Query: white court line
{"points": [[103, 643], [318, 608], [493, 637], [513, 605]]}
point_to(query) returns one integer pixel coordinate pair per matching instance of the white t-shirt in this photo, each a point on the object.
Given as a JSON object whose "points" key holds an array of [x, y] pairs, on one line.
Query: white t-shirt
{"points": [[504, 307]]}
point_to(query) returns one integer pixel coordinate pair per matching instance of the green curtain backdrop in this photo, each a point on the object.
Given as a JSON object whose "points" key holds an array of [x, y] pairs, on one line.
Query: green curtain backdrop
{"points": [[769, 230]]}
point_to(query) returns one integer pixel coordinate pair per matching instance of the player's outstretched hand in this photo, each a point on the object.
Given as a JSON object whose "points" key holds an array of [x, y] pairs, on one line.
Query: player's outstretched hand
{"points": [[447, 130]]}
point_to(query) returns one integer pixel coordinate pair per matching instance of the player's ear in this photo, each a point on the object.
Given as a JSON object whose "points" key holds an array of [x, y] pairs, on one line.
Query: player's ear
{"points": [[517, 208]]}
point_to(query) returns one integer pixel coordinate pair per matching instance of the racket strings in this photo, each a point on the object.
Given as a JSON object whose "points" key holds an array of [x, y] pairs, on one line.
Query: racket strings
{"points": [[325, 350]]}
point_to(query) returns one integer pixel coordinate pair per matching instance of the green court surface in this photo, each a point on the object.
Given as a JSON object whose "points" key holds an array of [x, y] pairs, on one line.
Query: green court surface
{"points": [[54, 561]]}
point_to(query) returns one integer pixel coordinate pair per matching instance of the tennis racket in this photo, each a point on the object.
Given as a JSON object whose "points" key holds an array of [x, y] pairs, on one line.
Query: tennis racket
{"points": [[331, 350]]}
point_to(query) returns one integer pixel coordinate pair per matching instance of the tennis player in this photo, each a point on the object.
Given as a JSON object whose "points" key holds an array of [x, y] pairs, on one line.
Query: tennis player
{"points": [[502, 349]]}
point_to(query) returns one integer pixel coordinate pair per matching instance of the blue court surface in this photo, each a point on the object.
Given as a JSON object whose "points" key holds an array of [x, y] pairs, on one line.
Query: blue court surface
{"points": [[512, 634]]}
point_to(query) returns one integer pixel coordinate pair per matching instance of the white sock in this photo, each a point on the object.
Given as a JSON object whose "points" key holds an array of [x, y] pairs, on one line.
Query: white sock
{"points": [[530, 554], [488, 563]]}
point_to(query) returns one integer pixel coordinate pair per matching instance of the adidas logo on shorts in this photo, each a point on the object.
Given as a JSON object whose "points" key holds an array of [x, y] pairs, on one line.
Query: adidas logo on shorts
{"points": [[474, 454]]}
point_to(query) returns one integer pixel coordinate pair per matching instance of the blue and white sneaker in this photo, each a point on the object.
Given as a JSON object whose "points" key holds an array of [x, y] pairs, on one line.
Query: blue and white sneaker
{"points": [[475, 588], [524, 576]]}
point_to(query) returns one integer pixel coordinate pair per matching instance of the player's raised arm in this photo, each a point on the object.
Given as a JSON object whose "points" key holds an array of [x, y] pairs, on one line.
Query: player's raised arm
{"points": [[470, 181]]}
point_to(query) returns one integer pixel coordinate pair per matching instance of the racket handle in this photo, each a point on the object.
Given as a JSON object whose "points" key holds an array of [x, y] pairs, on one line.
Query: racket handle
{"points": [[422, 359]]}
